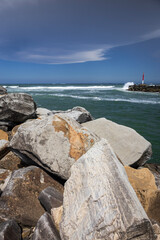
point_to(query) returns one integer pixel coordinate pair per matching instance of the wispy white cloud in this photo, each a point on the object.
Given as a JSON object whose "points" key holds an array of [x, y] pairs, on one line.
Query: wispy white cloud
{"points": [[151, 35], [48, 57]]}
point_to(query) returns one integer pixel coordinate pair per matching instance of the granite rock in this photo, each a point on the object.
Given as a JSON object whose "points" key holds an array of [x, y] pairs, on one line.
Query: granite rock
{"points": [[99, 202], [130, 147], [54, 143]]}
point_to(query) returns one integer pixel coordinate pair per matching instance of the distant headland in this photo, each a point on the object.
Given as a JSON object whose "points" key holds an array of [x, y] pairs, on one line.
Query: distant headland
{"points": [[144, 88]]}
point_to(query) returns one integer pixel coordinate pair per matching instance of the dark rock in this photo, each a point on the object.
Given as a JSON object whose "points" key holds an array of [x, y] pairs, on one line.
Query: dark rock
{"points": [[11, 162], [80, 114], [45, 229], [144, 88], [4, 149], [16, 107], [19, 199], [10, 230], [3, 90], [51, 198]]}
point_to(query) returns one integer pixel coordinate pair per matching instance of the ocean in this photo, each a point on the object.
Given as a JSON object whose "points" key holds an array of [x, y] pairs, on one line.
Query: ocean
{"points": [[138, 110]]}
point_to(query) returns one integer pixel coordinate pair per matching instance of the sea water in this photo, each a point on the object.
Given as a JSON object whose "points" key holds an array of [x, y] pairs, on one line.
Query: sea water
{"points": [[138, 110]]}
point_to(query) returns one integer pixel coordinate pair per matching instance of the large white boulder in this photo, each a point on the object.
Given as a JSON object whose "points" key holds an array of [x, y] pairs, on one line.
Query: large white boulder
{"points": [[99, 202], [129, 146], [54, 143]]}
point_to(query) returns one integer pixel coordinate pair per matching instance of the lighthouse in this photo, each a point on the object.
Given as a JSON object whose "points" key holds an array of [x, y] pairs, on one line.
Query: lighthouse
{"points": [[143, 78]]}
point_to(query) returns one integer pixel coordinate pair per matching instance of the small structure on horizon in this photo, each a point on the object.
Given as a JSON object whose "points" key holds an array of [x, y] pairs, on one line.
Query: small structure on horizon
{"points": [[143, 78]]}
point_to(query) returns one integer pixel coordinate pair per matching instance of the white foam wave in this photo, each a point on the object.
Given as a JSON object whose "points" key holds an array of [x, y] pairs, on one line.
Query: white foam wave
{"points": [[48, 88], [131, 100], [126, 85]]}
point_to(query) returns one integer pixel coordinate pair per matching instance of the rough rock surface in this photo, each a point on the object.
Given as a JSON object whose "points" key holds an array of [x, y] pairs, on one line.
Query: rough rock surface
{"points": [[155, 170], [3, 148], [3, 135], [16, 107], [143, 182], [11, 162], [45, 229], [19, 199], [50, 198], [80, 114], [99, 202], [14, 129], [57, 215], [130, 147], [54, 143], [10, 230], [42, 112], [3, 90]]}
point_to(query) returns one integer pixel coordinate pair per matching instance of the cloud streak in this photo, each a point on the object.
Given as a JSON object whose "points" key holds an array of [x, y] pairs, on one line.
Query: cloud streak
{"points": [[73, 31]]}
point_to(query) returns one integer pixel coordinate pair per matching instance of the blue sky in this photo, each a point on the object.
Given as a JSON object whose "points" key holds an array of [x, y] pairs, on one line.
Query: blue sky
{"points": [[79, 41]]}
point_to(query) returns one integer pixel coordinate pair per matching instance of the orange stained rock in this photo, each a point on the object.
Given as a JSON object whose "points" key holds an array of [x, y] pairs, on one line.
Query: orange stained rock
{"points": [[143, 182], [3, 135], [78, 140]]}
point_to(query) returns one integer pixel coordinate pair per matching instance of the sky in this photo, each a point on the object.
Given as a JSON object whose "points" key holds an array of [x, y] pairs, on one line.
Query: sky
{"points": [[79, 41]]}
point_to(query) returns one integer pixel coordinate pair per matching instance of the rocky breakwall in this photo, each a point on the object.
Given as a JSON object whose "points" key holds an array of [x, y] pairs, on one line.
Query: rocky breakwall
{"points": [[97, 200], [144, 88]]}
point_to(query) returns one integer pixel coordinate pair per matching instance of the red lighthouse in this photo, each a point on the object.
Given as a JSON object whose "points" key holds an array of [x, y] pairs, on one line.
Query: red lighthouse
{"points": [[143, 78]]}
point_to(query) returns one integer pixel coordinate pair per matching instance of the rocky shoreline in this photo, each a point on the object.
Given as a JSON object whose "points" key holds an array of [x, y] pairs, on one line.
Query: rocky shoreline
{"points": [[65, 175], [144, 88]]}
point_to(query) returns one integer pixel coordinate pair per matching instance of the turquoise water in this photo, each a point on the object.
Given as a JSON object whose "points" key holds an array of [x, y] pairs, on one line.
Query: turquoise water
{"points": [[140, 111]]}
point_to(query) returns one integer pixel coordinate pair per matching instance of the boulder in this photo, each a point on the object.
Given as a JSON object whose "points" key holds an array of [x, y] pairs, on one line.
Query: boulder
{"points": [[80, 114], [16, 107], [11, 162], [143, 182], [10, 230], [54, 143], [57, 215], [4, 149], [130, 147], [19, 199], [3, 90], [50, 198], [45, 229], [99, 202], [3, 135]]}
